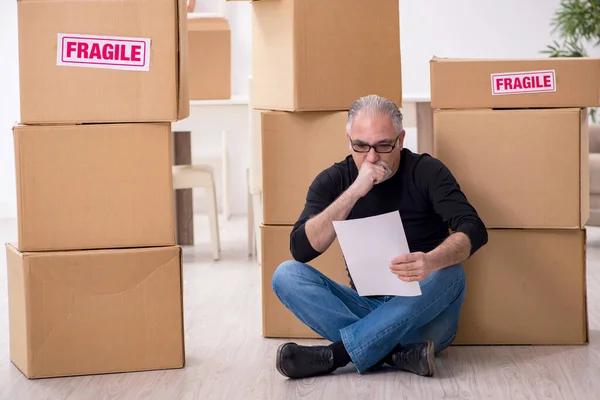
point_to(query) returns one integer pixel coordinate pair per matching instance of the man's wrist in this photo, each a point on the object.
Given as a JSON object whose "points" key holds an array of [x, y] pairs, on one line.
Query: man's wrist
{"points": [[434, 260], [454, 250], [352, 194]]}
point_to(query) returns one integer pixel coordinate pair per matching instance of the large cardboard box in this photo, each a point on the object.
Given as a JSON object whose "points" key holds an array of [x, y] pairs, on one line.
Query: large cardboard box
{"points": [[209, 66], [102, 61], [296, 147], [322, 55], [518, 83], [94, 186], [95, 311], [278, 321], [526, 287], [519, 168]]}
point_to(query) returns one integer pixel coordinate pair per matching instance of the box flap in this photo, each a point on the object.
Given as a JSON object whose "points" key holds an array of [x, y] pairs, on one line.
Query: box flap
{"points": [[18, 165], [19, 329], [211, 24], [182, 305], [183, 110]]}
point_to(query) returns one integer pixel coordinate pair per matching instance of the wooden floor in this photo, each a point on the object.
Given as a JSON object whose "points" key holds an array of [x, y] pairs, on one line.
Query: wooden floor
{"points": [[228, 359]]}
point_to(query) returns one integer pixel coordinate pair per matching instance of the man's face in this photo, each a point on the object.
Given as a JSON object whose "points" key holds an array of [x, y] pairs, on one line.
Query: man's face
{"points": [[375, 130]]}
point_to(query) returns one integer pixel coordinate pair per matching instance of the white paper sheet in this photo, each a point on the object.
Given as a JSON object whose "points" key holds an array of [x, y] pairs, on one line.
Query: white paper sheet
{"points": [[369, 245]]}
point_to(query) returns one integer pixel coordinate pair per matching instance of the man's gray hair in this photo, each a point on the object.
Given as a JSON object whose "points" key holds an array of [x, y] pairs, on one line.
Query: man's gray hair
{"points": [[375, 105]]}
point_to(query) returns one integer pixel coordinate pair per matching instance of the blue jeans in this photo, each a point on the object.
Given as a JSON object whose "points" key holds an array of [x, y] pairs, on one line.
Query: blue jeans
{"points": [[371, 327]]}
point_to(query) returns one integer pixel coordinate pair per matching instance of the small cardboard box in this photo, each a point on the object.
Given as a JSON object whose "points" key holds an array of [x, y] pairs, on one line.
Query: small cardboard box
{"points": [[520, 83], [296, 147], [278, 321], [323, 55], [102, 61], [209, 65], [526, 287], [95, 311], [94, 186], [519, 168]]}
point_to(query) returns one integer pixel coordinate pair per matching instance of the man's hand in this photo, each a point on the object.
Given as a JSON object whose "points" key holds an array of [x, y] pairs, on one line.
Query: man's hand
{"points": [[369, 175], [412, 266]]}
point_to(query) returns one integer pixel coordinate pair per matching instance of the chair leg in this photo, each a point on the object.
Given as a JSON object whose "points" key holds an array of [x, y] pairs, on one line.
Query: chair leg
{"points": [[213, 221], [250, 217], [225, 166]]}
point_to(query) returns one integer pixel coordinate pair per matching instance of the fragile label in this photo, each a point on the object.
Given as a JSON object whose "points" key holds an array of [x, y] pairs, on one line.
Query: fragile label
{"points": [[524, 82], [107, 52]]}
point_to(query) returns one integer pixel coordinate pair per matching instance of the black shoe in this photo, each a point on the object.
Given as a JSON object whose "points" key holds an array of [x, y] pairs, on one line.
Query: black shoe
{"points": [[296, 361], [416, 358]]}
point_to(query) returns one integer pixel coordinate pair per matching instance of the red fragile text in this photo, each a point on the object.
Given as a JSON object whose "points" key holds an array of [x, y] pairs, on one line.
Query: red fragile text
{"points": [[106, 51], [103, 52], [523, 82]]}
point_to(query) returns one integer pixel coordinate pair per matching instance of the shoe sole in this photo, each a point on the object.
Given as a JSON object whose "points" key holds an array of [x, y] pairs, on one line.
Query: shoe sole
{"points": [[430, 358], [278, 361]]}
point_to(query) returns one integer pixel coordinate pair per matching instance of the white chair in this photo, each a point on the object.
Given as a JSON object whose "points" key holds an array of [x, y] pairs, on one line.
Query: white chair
{"points": [[193, 176]]}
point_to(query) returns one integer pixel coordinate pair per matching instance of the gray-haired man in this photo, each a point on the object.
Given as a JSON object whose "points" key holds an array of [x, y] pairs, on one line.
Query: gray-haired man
{"points": [[380, 176]]}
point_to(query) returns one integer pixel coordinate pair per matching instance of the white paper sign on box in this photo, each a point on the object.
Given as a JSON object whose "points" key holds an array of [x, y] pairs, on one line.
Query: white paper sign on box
{"points": [[106, 52], [369, 245]]}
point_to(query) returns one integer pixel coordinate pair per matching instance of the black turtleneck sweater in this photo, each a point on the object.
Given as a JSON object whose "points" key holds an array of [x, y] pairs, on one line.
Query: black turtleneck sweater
{"points": [[423, 190]]}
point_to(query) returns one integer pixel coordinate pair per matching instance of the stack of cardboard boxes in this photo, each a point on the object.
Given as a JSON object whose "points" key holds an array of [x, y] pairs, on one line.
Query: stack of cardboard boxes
{"points": [[95, 281], [311, 60], [514, 134]]}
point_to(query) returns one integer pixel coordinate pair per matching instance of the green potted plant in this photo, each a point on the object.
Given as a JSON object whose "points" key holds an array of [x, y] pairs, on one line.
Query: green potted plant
{"points": [[577, 23]]}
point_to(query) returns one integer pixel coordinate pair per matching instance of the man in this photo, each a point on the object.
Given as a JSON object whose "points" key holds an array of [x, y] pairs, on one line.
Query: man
{"points": [[380, 176]]}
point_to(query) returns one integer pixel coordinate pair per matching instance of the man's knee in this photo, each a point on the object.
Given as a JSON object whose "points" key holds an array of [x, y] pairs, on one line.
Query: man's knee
{"points": [[286, 274]]}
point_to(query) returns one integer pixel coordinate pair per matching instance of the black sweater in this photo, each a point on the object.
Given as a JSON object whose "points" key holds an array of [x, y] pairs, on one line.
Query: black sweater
{"points": [[423, 190]]}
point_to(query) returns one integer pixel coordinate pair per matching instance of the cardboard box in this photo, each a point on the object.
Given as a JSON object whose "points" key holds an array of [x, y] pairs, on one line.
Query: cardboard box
{"points": [[278, 321], [519, 168], [209, 58], [520, 83], [323, 55], [296, 147], [102, 61], [526, 287], [95, 311], [94, 186]]}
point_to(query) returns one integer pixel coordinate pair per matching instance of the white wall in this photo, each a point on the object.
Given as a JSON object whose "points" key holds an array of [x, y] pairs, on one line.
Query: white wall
{"points": [[455, 28], [238, 14], [9, 105]]}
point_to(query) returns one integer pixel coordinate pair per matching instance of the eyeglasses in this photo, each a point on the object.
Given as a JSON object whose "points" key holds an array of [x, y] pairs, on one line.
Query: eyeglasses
{"points": [[379, 148]]}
